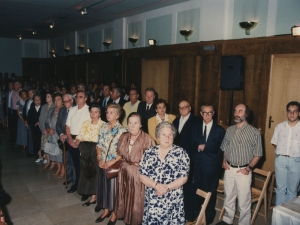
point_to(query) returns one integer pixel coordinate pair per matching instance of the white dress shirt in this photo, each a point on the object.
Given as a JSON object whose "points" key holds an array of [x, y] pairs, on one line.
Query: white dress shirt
{"points": [[182, 121], [76, 117]]}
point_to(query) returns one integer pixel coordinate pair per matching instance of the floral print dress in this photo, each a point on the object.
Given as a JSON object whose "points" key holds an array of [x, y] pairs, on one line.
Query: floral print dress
{"points": [[167, 209]]}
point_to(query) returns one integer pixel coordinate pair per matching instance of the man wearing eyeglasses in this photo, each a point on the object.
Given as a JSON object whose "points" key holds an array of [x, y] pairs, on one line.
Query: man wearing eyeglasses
{"points": [[77, 115], [207, 138], [286, 140], [61, 130]]}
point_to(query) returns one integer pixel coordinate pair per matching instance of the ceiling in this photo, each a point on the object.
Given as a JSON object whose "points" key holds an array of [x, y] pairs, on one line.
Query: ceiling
{"points": [[22, 17]]}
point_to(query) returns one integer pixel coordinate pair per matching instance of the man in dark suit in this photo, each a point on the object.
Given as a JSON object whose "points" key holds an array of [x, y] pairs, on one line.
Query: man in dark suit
{"points": [[207, 138], [147, 108], [8, 104], [184, 125], [26, 108], [115, 96], [104, 101], [61, 131]]}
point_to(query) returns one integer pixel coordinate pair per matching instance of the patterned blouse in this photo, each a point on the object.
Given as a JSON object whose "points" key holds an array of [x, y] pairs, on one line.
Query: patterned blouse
{"points": [[89, 131], [109, 138]]}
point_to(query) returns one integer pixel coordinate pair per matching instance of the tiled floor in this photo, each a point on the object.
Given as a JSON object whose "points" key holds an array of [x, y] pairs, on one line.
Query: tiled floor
{"points": [[39, 198]]}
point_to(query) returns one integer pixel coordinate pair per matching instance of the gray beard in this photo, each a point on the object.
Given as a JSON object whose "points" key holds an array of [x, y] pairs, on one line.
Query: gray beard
{"points": [[240, 120]]}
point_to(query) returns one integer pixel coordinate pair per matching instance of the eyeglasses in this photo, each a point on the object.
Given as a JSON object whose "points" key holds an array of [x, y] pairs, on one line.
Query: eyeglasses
{"points": [[207, 113], [67, 101], [183, 107], [293, 112]]}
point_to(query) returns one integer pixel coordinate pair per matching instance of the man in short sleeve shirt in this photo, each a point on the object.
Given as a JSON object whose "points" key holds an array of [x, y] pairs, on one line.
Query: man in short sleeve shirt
{"points": [[286, 140], [242, 150]]}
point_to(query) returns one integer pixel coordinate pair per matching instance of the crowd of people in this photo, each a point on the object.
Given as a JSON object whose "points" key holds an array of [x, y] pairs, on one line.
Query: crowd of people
{"points": [[162, 159]]}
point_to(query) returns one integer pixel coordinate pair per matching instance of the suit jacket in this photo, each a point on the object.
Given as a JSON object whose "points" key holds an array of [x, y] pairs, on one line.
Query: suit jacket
{"points": [[146, 114], [61, 121], [121, 102], [153, 122], [184, 138], [33, 115], [44, 115], [211, 156], [25, 114], [103, 114]]}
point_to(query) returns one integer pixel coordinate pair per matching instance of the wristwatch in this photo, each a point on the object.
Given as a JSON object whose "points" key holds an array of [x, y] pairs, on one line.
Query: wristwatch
{"points": [[250, 167]]}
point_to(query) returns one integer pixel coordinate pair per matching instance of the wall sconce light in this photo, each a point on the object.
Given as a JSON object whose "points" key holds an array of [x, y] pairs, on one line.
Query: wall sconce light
{"points": [[296, 31], [152, 42], [81, 48], [20, 38], [34, 32], [66, 50], [89, 50], [52, 54], [133, 40], [83, 12], [186, 33], [52, 25], [106, 44], [248, 25]]}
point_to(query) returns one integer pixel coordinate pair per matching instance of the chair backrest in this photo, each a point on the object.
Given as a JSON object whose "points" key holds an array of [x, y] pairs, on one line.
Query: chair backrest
{"points": [[206, 196], [266, 174]]}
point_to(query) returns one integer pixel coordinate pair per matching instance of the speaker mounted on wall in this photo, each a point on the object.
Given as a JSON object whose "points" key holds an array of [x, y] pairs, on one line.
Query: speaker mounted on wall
{"points": [[232, 72]]}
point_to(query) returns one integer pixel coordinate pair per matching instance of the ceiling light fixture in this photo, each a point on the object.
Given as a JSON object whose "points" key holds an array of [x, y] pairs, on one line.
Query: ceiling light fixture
{"points": [[133, 40], [152, 42], [296, 31], [83, 12], [248, 25], [34, 32], [106, 44], [20, 38], [52, 25], [186, 33], [89, 50]]}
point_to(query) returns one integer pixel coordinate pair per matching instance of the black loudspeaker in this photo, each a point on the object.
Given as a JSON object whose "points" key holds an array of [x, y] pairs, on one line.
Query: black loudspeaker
{"points": [[232, 72]]}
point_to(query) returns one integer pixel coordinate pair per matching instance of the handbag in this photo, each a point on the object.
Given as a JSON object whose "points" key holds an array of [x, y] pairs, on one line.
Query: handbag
{"points": [[113, 170], [51, 148]]}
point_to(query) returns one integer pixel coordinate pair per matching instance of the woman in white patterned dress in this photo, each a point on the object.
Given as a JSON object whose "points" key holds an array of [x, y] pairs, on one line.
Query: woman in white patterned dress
{"points": [[164, 169]]}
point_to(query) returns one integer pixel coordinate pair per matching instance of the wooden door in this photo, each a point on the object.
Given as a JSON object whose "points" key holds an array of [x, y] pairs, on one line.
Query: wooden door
{"points": [[155, 73], [284, 87]]}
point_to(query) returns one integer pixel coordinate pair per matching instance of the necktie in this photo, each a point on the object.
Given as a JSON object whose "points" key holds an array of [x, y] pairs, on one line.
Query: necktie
{"points": [[148, 107], [204, 134], [67, 111], [104, 103], [114, 102]]}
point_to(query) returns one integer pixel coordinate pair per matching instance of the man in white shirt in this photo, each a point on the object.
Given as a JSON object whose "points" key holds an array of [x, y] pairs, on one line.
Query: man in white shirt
{"points": [[286, 140], [77, 115], [132, 105]]}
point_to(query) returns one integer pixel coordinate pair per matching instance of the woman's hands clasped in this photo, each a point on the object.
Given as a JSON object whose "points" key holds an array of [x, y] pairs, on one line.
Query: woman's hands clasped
{"points": [[105, 165], [161, 189]]}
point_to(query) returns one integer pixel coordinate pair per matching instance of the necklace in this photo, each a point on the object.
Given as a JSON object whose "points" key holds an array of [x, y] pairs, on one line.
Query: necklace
{"points": [[131, 142]]}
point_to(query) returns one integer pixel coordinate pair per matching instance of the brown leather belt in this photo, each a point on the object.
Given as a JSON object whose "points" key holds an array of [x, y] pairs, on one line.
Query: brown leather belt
{"points": [[237, 166]]}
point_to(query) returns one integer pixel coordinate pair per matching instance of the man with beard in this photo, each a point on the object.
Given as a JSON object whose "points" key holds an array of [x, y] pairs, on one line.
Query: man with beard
{"points": [[286, 139], [242, 150]]}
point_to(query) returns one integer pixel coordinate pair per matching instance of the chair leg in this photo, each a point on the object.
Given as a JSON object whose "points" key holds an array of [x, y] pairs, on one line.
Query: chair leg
{"points": [[222, 213], [265, 207], [271, 191]]}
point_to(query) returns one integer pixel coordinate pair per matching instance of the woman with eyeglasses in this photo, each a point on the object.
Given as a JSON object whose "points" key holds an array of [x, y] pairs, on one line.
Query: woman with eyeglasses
{"points": [[161, 116]]}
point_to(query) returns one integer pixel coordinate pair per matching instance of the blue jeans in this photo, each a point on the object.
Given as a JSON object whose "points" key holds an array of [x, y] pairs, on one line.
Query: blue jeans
{"points": [[287, 174]]}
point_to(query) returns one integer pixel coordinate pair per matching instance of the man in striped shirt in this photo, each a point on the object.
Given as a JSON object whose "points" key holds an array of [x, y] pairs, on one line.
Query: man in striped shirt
{"points": [[242, 150]]}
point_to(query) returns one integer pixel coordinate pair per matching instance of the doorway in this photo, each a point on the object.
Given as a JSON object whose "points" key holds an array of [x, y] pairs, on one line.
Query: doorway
{"points": [[155, 74], [283, 88]]}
